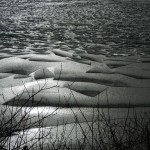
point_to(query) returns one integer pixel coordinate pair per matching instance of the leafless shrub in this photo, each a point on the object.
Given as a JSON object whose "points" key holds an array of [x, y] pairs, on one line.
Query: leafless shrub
{"points": [[104, 133]]}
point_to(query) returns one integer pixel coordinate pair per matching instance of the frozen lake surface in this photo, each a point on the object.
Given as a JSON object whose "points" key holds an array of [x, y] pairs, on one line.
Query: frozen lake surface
{"points": [[82, 28]]}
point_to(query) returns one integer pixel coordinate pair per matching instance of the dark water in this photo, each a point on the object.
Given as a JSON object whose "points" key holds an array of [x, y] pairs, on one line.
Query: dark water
{"points": [[28, 26]]}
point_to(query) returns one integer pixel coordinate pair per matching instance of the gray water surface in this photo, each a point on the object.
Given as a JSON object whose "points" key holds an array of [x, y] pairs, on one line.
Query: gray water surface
{"points": [[28, 26]]}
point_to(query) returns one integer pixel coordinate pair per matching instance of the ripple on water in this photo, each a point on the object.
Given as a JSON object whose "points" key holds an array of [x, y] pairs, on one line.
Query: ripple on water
{"points": [[35, 27]]}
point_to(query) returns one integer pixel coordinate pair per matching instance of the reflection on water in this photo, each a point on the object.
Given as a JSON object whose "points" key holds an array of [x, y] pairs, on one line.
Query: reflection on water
{"points": [[98, 26]]}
